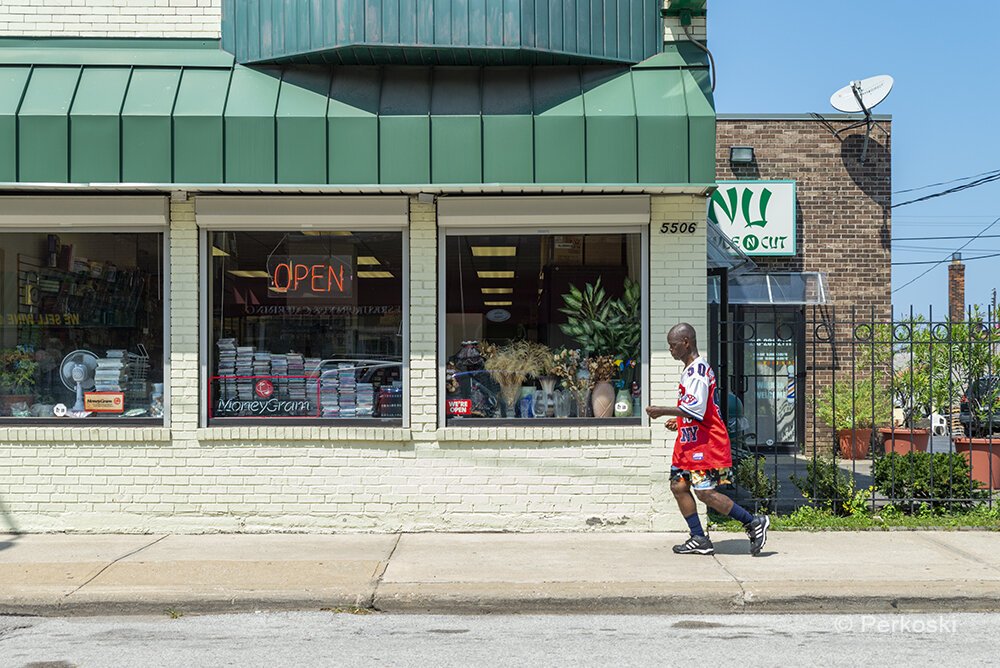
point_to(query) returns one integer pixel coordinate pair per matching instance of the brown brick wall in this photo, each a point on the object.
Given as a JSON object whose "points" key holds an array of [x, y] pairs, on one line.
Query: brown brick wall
{"points": [[843, 222], [843, 229]]}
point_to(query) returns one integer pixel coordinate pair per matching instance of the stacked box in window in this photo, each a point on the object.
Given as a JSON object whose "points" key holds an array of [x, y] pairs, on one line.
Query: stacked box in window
{"points": [[296, 380], [244, 371], [365, 400], [279, 375], [348, 390], [227, 367], [329, 394], [312, 365], [111, 374], [390, 400]]}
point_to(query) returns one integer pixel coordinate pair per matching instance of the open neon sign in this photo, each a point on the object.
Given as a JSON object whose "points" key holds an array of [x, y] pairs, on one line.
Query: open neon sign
{"points": [[312, 276]]}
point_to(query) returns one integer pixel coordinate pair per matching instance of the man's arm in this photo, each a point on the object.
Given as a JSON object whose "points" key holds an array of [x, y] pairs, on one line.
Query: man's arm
{"points": [[659, 411]]}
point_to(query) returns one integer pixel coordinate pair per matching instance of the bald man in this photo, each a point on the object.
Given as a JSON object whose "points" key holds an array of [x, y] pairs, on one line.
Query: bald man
{"points": [[702, 453]]}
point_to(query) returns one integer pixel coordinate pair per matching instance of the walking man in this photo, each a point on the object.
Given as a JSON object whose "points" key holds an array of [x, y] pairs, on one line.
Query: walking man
{"points": [[702, 453]]}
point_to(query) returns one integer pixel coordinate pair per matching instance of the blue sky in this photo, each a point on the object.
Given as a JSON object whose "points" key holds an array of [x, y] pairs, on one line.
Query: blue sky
{"points": [[789, 56]]}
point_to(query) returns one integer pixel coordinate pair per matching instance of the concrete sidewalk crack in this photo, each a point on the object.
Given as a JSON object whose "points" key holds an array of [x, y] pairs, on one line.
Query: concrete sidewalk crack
{"points": [[380, 572], [960, 552], [743, 592], [115, 561]]}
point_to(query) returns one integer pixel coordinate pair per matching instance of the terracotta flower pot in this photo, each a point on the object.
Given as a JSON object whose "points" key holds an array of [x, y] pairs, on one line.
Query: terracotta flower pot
{"points": [[602, 398], [854, 443], [984, 458], [902, 440]]}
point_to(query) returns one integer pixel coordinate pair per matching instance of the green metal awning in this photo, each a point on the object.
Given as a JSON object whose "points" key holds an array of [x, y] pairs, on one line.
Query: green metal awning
{"points": [[441, 32], [62, 121]]}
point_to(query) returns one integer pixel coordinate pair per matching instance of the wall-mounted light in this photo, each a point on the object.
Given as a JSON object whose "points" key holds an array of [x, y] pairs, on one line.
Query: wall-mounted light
{"points": [[741, 155]]}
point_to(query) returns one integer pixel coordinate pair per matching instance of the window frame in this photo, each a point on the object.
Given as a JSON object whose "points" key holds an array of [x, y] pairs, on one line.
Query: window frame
{"points": [[445, 231], [138, 422], [287, 219]]}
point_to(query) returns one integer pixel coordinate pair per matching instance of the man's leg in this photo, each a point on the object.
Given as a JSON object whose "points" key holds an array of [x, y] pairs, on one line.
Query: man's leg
{"points": [[756, 527], [698, 543]]}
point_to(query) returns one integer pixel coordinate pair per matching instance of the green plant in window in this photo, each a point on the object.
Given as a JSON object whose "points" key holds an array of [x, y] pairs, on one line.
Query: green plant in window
{"points": [[17, 371], [604, 325]]}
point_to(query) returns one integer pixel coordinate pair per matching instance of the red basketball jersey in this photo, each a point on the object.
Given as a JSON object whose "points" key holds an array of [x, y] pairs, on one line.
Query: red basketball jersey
{"points": [[702, 439]]}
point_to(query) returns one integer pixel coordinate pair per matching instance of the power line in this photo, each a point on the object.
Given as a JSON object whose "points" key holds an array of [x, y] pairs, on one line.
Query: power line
{"points": [[945, 183], [967, 243], [952, 236], [995, 176], [936, 262]]}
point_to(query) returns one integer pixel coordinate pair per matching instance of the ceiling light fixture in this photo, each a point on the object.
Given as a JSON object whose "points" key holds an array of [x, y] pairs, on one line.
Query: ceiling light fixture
{"points": [[495, 274], [240, 273], [375, 274], [497, 303], [498, 291], [368, 260], [494, 251], [218, 252]]}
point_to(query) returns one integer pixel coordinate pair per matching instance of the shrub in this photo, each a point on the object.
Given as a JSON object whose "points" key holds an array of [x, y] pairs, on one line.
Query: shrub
{"points": [[928, 479], [854, 404], [827, 486], [752, 477]]}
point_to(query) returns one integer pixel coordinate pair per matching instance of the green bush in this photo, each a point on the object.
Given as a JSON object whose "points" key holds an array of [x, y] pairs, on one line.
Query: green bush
{"points": [[854, 404], [926, 478], [827, 486], [752, 477]]}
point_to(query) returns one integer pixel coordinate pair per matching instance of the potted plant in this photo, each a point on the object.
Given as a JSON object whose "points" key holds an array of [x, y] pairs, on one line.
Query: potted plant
{"points": [[983, 449], [603, 325], [17, 378], [602, 393], [854, 407]]}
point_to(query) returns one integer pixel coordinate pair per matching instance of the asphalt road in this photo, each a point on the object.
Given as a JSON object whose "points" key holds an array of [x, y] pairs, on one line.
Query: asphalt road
{"points": [[335, 638]]}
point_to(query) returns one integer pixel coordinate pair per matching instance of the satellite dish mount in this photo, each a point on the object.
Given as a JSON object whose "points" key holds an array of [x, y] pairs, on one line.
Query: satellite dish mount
{"points": [[862, 96]]}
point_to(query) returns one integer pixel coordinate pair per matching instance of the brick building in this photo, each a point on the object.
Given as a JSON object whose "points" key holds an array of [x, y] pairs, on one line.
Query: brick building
{"points": [[843, 226], [177, 217]]}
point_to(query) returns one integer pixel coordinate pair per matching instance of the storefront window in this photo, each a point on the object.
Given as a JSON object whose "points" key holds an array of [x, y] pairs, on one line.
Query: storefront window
{"points": [[82, 330], [306, 326], [543, 326]]}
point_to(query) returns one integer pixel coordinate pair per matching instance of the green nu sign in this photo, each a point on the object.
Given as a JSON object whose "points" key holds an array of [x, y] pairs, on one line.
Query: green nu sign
{"points": [[758, 216]]}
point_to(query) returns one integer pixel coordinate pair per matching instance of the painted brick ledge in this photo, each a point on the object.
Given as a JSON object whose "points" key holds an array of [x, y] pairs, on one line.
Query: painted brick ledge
{"points": [[84, 434], [350, 434], [568, 434]]}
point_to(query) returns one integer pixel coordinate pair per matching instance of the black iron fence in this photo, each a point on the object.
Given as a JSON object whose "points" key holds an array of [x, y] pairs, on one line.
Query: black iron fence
{"points": [[850, 411]]}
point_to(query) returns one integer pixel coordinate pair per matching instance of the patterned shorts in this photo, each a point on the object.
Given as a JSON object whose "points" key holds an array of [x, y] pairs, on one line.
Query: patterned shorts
{"points": [[707, 479]]}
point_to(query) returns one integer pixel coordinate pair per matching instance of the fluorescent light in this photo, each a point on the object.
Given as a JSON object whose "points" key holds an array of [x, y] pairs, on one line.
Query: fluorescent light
{"points": [[498, 291], [240, 273], [494, 251], [495, 274], [497, 303], [375, 274], [367, 260], [218, 252], [338, 233]]}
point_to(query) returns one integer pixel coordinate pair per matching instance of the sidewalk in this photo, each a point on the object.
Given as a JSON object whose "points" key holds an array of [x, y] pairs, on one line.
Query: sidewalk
{"points": [[57, 574]]}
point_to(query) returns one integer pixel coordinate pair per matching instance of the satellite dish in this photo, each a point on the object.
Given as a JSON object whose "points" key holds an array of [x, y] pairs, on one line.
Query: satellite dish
{"points": [[77, 372], [862, 96]]}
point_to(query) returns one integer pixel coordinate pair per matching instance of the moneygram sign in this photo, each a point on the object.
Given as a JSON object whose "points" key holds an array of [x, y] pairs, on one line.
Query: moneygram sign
{"points": [[758, 216]]}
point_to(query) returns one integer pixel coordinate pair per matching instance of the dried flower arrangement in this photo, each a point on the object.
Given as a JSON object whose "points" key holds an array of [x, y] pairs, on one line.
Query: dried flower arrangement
{"points": [[512, 364], [602, 369]]}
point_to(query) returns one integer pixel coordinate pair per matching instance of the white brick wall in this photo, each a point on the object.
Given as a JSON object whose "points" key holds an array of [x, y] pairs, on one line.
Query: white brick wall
{"points": [[673, 31], [111, 18], [190, 479]]}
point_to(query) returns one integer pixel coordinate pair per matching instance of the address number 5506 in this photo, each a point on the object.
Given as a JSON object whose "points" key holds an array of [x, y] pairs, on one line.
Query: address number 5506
{"points": [[678, 228]]}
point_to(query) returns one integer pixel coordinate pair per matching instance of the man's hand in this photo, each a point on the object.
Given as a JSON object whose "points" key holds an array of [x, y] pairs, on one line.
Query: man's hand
{"points": [[655, 411], [672, 424]]}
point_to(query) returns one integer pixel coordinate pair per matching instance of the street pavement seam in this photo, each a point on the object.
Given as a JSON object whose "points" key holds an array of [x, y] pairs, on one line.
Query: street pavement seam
{"points": [[380, 573], [115, 561], [958, 551], [742, 603]]}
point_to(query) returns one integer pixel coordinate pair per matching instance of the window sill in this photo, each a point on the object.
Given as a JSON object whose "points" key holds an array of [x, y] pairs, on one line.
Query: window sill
{"points": [[88, 434], [547, 430], [350, 433]]}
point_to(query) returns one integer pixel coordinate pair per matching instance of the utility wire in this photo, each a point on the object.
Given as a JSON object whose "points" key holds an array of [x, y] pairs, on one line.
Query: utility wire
{"points": [[970, 236], [945, 183], [936, 262], [967, 243], [994, 176]]}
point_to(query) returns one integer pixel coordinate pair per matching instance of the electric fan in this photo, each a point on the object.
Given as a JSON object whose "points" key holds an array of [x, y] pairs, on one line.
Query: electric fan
{"points": [[77, 371]]}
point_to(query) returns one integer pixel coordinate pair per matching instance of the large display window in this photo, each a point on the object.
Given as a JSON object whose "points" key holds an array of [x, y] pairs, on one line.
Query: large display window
{"points": [[82, 331], [305, 326], [543, 326]]}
